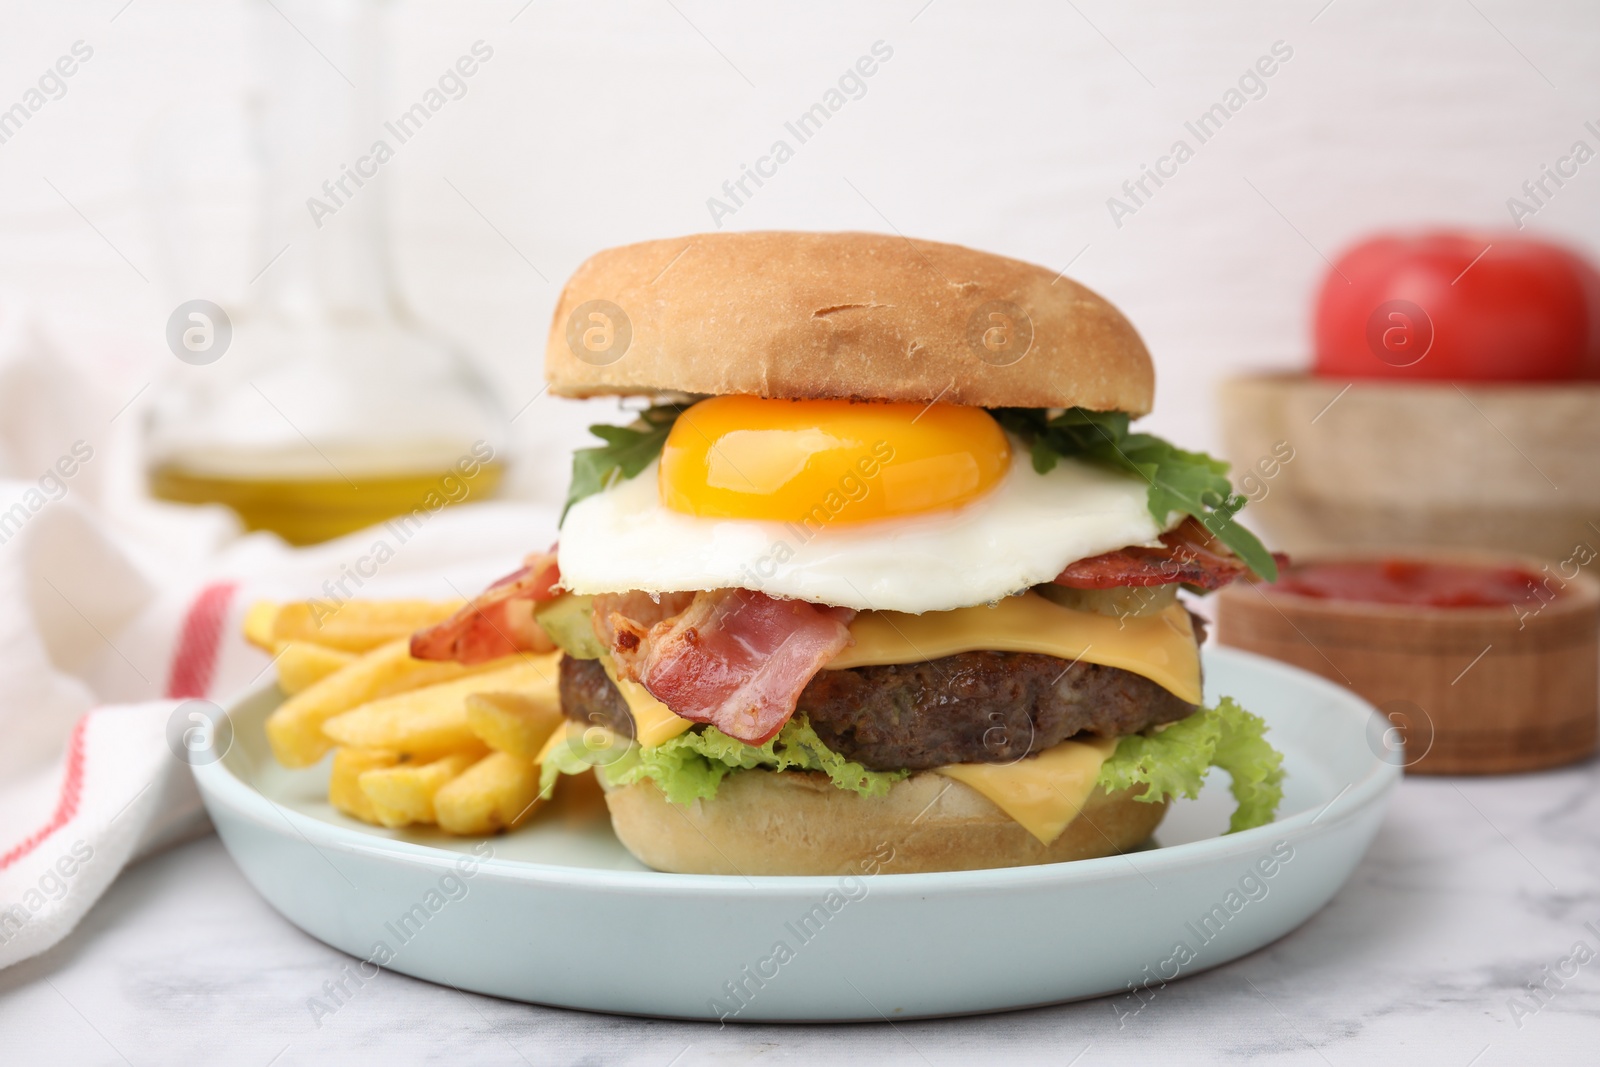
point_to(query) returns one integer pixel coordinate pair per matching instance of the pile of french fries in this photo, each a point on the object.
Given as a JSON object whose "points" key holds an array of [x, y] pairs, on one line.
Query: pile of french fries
{"points": [[413, 741]]}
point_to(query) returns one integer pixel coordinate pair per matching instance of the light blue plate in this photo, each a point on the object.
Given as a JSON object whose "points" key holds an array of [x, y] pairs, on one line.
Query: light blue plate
{"points": [[558, 913]]}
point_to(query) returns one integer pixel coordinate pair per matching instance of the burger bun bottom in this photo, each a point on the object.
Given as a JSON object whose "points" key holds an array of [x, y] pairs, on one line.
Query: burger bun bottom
{"points": [[797, 822]]}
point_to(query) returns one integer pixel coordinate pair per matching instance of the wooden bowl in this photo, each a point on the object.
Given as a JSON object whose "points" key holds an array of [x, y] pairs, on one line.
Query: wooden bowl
{"points": [[1374, 464], [1468, 690]]}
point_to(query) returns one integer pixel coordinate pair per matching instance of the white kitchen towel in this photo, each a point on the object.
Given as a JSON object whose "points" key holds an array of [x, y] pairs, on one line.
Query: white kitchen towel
{"points": [[112, 614]]}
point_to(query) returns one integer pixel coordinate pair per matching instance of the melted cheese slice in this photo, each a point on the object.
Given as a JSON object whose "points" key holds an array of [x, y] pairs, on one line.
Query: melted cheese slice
{"points": [[653, 721], [1160, 647], [1045, 792]]}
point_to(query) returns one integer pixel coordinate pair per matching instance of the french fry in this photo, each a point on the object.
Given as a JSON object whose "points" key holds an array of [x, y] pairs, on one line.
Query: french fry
{"points": [[357, 625], [259, 620], [295, 729], [433, 720], [413, 741], [344, 786], [498, 792], [516, 723], [301, 664], [403, 794]]}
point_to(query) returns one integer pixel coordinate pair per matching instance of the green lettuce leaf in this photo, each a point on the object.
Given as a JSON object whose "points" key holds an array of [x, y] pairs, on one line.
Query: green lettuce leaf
{"points": [[1191, 483], [568, 758], [691, 766], [1171, 762], [1254, 765], [627, 451], [1174, 760]]}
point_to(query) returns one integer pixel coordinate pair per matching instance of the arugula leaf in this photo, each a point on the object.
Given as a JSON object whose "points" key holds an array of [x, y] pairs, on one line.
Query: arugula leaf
{"points": [[627, 451], [1191, 483]]}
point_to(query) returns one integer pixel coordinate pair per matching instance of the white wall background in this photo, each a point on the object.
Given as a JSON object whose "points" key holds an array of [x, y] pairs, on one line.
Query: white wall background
{"points": [[1004, 126]]}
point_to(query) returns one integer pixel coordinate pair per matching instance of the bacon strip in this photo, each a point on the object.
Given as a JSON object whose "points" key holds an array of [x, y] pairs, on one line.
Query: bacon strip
{"points": [[497, 622], [641, 609], [736, 659], [1189, 554]]}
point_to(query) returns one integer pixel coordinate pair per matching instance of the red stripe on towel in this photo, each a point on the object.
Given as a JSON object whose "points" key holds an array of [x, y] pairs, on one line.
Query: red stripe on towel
{"points": [[66, 803], [195, 662]]}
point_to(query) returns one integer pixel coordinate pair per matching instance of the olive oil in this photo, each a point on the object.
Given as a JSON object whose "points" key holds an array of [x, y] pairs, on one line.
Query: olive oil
{"points": [[304, 511], [325, 406]]}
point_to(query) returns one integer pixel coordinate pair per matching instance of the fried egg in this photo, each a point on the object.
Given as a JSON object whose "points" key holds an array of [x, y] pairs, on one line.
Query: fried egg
{"points": [[873, 506]]}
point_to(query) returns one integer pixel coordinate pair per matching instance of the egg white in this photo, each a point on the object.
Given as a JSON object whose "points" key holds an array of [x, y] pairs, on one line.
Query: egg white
{"points": [[1021, 533]]}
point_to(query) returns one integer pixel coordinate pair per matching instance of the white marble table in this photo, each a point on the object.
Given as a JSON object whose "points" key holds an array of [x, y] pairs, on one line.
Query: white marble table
{"points": [[1472, 888]]}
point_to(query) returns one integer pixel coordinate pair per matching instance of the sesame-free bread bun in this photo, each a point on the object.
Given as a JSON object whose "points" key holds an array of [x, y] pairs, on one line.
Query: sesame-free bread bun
{"points": [[797, 822], [849, 315]]}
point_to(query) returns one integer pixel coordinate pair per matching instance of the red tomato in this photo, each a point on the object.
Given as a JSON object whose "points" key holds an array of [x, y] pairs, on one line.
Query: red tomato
{"points": [[1419, 307]]}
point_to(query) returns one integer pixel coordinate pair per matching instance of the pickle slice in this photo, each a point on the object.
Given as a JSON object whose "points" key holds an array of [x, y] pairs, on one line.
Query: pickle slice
{"points": [[569, 620], [1122, 602]]}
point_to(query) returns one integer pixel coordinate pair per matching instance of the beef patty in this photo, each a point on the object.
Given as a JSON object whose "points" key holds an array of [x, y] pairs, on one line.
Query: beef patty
{"points": [[973, 707], [588, 695]]}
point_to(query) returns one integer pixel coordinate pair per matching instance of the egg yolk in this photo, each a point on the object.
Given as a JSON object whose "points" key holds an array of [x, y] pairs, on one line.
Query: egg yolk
{"points": [[828, 461]]}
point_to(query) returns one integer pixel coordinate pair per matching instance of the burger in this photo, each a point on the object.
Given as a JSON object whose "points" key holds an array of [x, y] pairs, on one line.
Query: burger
{"points": [[878, 577]]}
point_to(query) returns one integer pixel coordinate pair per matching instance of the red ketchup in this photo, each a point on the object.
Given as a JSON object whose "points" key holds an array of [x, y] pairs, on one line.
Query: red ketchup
{"points": [[1409, 582]]}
